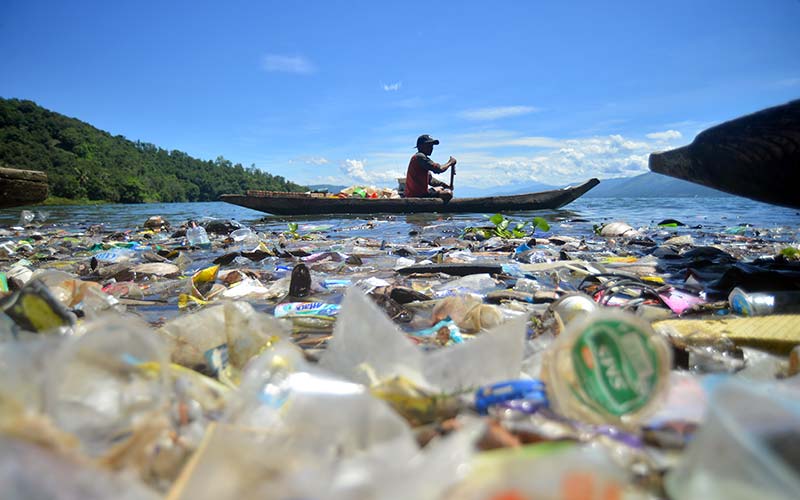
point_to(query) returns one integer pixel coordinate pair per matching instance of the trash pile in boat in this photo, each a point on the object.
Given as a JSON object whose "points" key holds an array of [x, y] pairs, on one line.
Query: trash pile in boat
{"points": [[512, 361], [358, 191]]}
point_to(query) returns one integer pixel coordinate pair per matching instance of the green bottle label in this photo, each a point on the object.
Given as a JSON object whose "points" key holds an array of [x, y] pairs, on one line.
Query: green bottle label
{"points": [[616, 366]]}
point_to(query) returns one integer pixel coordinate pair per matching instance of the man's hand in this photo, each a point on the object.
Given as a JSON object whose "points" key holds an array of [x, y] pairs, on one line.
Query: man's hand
{"points": [[452, 161]]}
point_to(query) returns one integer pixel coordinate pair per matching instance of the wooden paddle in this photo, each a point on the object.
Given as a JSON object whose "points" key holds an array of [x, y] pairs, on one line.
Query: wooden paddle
{"points": [[452, 174]]}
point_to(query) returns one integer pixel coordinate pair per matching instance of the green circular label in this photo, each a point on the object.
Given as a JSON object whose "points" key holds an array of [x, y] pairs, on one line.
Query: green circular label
{"points": [[616, 367]]}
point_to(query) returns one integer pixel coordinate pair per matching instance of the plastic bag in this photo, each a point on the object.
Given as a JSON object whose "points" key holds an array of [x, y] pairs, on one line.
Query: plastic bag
{"points": [[367, 346], [28, 471], [216, 338], [102, 385]]}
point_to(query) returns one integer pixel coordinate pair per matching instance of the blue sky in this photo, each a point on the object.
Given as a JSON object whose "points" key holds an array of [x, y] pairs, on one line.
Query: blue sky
{"points": [[337, 92]]}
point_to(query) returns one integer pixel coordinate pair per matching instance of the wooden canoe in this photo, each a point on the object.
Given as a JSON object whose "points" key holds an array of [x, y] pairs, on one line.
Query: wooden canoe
{"points": [[21, 187], [303, 204], [756, 156]]}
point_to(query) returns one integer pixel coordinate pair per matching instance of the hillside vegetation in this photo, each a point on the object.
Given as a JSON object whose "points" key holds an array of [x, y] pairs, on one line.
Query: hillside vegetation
{"points": [[83, 162]]}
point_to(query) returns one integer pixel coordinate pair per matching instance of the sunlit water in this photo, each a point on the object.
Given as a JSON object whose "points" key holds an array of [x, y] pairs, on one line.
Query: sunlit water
{"points": [[701, 215]]}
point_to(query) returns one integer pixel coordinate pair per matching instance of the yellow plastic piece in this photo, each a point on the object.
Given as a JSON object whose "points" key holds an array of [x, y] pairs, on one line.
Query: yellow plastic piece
{"points": [[775, 333]]}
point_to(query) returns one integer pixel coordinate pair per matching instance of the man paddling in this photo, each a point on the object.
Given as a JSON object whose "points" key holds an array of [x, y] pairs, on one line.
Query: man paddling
{"points": [[420, 172]]}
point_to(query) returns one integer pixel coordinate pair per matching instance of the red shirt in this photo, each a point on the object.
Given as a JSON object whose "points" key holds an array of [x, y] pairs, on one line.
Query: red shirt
{"points": [[418, 175]]}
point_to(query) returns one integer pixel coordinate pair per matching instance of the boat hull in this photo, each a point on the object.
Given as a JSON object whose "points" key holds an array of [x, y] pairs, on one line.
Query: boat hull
{"points": [[756, 156], [21, 187], [308, 205]]}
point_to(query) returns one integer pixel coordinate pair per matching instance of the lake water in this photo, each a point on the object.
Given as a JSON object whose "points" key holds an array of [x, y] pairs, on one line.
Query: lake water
{"points": [[714, 215]]}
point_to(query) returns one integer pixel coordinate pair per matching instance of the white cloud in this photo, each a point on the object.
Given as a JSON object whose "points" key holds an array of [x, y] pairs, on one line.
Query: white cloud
{"points": [[530, 142], [355, 170], [485, 114], [310, 160], [287, 64], [392, 87], [667, 135], [317, 160], [500, 139], [557, 161]]}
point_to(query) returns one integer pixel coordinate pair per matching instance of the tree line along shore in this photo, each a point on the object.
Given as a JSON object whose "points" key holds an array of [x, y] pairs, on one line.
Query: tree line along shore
{"points": [[86, 164]]}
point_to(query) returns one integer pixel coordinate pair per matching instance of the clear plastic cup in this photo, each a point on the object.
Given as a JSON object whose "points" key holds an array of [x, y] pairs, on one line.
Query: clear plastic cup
{"points": [[607, 367]]}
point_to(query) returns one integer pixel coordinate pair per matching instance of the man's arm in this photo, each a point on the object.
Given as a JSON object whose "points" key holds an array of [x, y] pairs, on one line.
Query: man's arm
{"points": [[433, 181], [443, 168], [434, 167]]}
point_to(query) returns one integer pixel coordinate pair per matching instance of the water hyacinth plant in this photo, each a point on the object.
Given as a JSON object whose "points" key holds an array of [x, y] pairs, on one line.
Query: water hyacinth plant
{"points": [[506, 228]]}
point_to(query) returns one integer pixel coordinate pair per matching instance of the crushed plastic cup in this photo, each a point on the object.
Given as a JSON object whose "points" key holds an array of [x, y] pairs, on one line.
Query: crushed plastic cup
{"points": [[746, 448], [245, 238], [607, 367], [241, 234]]}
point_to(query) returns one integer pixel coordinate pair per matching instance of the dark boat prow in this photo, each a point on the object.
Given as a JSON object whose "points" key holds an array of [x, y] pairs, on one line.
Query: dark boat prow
{"points": [[302, 204], [21, 187], [756, 156]]}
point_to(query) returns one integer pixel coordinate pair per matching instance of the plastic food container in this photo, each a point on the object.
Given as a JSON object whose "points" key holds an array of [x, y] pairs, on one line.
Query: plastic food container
{"points": [[747, 448], [607, 367]]}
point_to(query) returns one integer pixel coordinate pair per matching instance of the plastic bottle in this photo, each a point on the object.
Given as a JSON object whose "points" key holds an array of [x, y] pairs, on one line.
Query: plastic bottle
{"points": [[197, 237], [762, 303], [607, 367]]}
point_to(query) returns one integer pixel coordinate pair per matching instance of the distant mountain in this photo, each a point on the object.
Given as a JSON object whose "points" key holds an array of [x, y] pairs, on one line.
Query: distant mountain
{"points": [[650, 185], [527, 187], [641, 186], [331, 188]]}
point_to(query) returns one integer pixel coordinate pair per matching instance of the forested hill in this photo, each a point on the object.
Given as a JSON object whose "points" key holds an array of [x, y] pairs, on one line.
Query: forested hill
{"points": [[83, 162]]}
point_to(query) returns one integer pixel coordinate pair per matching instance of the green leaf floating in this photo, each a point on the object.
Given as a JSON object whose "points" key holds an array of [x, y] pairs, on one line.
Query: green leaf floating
{"points": [[539, 222]]}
